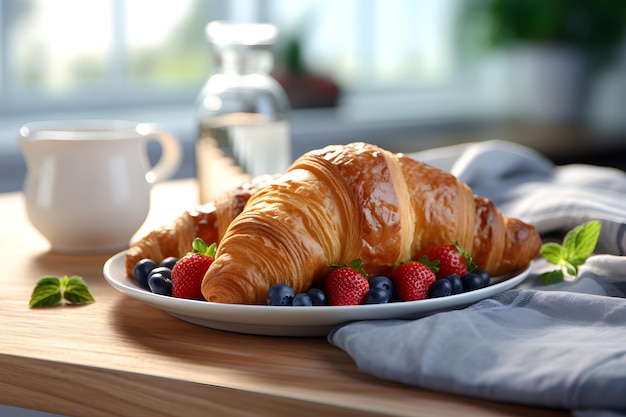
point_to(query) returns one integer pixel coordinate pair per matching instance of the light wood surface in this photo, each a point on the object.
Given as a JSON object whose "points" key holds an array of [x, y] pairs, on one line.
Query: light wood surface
{"points": [[119, 357]]}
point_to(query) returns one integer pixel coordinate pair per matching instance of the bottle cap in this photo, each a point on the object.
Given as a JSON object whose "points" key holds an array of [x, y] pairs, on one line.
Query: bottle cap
{"points": [[230, 33]]}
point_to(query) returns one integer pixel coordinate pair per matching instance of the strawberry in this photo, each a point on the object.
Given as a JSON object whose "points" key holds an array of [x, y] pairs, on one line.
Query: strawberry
{"points": [[448, 259], [188, 272], [346, 285], [412, 280]]}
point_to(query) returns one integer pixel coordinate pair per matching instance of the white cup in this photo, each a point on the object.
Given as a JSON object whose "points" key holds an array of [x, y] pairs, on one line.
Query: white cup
{"points": [[88, 182]]}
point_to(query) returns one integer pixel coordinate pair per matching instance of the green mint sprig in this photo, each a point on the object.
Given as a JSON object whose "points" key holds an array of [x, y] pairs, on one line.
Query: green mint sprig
{"points": [[578, 244], [51, 290]]}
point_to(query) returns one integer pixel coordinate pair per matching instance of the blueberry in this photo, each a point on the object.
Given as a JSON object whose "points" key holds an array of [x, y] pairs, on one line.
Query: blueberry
{"points": [[141, 270], [302, 299], [484, 275], [440, 288], [381, 282], [160, 284], [457, 283], [376, 295], [167, 272], [384, 283], [318, 297], [169, 262], [280, 295], [472, 282]]}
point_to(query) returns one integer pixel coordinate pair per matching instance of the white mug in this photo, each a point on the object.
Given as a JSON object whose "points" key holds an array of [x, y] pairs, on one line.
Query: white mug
{"points": [[87, 186]]}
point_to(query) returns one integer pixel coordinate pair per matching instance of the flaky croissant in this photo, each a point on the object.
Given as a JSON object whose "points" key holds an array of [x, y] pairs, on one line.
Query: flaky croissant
{"points": [[208, 222], [341, 203]]}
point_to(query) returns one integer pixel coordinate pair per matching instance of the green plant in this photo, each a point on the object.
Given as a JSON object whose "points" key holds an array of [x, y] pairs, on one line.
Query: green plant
{"points": [[578, 244], [595, 26]]}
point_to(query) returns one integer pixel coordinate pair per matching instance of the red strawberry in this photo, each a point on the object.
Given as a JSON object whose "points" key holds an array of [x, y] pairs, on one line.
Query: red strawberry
{"points": [[188, 272], [412, 280], [452, 260], [346, 285]]}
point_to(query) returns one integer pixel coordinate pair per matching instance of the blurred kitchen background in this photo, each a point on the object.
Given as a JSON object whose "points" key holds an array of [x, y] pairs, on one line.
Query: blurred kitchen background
{"points": [[404, 74]]}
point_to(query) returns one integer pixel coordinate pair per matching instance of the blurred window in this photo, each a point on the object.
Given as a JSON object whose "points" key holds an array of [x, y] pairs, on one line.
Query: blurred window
{"points": [[373, 44], [72, 54]]}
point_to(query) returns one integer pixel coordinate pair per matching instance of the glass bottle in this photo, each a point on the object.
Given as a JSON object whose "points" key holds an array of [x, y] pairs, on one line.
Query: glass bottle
{"points": [[242, 112]]}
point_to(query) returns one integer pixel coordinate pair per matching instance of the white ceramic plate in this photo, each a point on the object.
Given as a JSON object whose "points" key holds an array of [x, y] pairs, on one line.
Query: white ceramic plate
{"points": [[294, 321]]}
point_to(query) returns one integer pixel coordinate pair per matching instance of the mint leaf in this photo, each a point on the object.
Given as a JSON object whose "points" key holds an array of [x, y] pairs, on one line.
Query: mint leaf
{"points": [[552, 277], [572, 270], [578, 244], [46, 293], [51, 290], [76, 291], [553, 252], [581, 241]]}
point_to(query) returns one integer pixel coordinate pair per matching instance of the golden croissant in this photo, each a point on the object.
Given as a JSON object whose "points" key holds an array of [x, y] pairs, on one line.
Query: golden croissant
{"points": [[341, 203]]}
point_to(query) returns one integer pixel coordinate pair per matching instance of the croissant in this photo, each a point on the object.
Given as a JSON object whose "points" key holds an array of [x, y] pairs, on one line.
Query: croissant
{"points": [[341, 203], [208, 222]]}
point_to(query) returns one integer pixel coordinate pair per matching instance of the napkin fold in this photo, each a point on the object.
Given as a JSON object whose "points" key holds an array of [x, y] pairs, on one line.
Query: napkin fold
{"points": [[559, 346]]}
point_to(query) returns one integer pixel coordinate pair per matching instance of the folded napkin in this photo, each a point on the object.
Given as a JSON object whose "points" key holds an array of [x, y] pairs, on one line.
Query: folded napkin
{"points": [[559, 346]]}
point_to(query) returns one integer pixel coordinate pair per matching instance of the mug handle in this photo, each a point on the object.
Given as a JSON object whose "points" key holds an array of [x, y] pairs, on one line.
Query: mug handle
{"points": [[171, 153]]}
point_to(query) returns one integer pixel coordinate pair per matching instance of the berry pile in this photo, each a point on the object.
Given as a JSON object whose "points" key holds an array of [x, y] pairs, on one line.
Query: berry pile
{"points": [[440, 272], [180, 278], [155, 277]]}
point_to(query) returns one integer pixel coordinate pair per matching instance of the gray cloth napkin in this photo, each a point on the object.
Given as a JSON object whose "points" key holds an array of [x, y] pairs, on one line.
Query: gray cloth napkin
{"points": [[560, 346]]}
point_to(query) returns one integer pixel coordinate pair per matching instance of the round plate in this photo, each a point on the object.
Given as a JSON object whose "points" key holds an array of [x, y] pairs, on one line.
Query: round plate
{"points": [[295, 321]]}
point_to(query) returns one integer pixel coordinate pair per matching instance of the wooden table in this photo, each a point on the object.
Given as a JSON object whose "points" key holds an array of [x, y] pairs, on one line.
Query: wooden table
{"points": [[119, 357]]}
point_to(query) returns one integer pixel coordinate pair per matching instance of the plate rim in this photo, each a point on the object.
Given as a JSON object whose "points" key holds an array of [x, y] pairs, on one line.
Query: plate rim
{"points": [[275, 320]]}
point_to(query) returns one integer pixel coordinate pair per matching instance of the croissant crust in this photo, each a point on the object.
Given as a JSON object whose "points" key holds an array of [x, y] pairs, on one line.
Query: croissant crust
{"points": [[208, 222], [357, 201]]}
